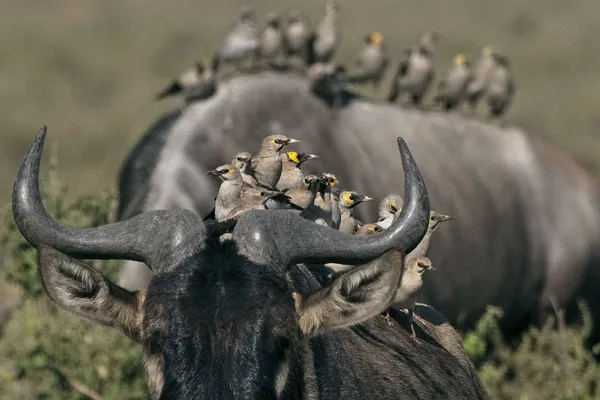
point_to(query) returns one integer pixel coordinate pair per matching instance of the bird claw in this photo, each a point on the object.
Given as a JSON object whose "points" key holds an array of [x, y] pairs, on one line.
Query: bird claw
{"points": [[388, 319]]}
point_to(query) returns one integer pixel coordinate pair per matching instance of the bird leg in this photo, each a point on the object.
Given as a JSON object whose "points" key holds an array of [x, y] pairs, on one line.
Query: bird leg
{"points": [[388, 318], [411, 321]]}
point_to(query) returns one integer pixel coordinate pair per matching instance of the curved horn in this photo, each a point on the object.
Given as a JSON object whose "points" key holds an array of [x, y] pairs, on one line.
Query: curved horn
{"points": [[283, 237], [157, 238]]}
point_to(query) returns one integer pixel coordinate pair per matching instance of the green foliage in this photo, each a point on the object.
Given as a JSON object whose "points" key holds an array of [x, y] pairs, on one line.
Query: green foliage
{"points": [[548, 363]]}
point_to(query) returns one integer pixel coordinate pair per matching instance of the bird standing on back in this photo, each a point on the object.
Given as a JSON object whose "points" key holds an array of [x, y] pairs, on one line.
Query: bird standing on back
{"points": [[388, 208], [501, 86], [271, 39], [195, 83], [452, 87], [372, 61], [241, 42], [326, 38], [296, 35], [349, 200], [410, 288], [414, 74], [291, 175], [266, 166], [481, 77]]}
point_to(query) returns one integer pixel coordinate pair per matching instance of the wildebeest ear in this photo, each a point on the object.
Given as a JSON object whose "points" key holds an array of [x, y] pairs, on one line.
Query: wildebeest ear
{"points": [[82, 290], [353, 297]]}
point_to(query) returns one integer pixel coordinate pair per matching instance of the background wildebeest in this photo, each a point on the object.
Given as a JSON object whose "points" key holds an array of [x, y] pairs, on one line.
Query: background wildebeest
{"points": [[527, 228], [218, 321]]}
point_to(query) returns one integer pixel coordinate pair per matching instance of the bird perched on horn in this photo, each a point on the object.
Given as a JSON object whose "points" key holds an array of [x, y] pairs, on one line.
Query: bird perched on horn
{"points": [[265, 167], [452, 88], [349, 200], [291, 174]]}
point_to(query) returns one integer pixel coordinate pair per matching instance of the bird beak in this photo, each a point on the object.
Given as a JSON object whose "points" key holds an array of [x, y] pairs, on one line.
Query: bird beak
{"points": [[361, 198], [292, 141], [213, 172], [445, 218], [431, 268]]}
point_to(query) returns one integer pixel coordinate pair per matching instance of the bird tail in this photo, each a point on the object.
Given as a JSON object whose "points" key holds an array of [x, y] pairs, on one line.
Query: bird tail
{"points": [[170, 90]]}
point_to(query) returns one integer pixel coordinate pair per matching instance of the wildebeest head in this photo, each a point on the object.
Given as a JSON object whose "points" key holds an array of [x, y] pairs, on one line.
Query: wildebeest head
{"points": [[218, 318]]}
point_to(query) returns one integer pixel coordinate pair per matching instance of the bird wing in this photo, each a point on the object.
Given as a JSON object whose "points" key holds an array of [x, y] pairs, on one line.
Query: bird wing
{"points": [[210, 216]]}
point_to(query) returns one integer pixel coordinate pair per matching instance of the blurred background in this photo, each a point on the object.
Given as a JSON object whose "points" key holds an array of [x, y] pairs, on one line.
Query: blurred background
{"points": [[89, 70]]}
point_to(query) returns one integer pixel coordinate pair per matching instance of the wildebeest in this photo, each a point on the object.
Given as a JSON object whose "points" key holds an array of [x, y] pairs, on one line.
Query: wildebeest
{"points": [[527, 218], [217, 320]]}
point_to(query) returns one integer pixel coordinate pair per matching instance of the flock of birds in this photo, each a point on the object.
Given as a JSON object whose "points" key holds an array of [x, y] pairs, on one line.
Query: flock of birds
{"points": [[489, 77], [272, 179]]}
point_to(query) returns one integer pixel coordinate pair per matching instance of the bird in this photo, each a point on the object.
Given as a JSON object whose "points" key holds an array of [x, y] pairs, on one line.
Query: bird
{"points": [[242, 162], [229, 196], [271, 39], [241, 41], [325, 208], [435, 219], [410, 287], [367, 229], [414, 74], [197, 82], [325, 39], [390, 206], [296, 34], [266, 166], [348, 200], [291, 175], [452, 87], [481, 76], [261, 199], [304, 196], [428, 40], [501, 86], [372, 61]]}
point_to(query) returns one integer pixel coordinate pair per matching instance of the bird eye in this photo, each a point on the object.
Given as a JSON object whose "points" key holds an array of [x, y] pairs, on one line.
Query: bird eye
{"points": [[278, 141], [240, 159], [432, 218]]}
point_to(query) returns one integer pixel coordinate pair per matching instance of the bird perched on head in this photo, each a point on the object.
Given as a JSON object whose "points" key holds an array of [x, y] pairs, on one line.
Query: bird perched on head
{"points": [[501, 86], [296, 35], [198, 82], [326, 38], [266, 166], [414, 74], [242, 162], [453, 86], [325, 209], [388, 208], [304, 196], [291, 175], [372, 61], [261, 199], [349, 200], [410, 287], [229, 196], [271, 39], [481, 77], [368, 229], [435, 219], [241, 42]]}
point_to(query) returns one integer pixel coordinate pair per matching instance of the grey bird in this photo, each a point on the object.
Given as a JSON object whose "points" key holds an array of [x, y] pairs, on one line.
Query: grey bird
{"points": [[414, 74], [410, 287], [197, 82], [291, 175], [304, 196], [501, 86], [428, 40], [325, 208], [368, 229], [271, 39], [372, 61], [261, 199], [389, 207], [435, 219], [481, 76], [349, 200], [326, 38], [452, 88], [229, 196], [241, 42], [266, 166], [296, 35], [242, 162]]}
